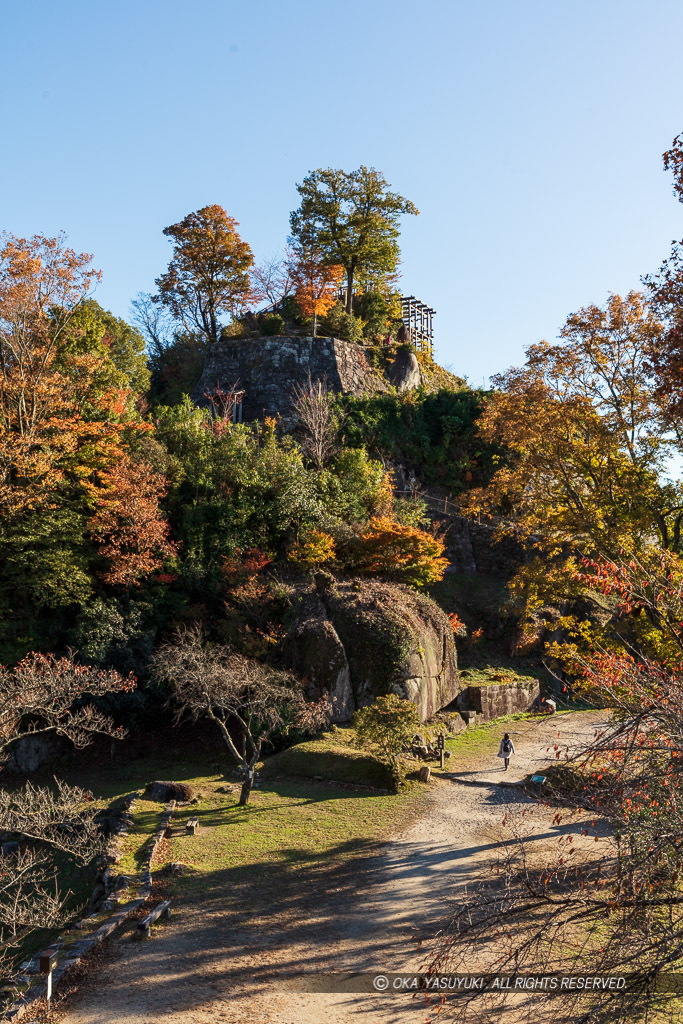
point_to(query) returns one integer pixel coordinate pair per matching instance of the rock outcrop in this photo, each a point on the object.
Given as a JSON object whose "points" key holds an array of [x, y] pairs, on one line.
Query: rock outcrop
{"points": [[32, 752], [266, 369], [404, 372], [315, 652], [357, 640]]}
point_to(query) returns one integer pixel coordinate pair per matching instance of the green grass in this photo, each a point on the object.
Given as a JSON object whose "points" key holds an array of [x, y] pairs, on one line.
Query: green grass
{"points": [[290, 823], [331, 757], [289, 828], [494, 677]]}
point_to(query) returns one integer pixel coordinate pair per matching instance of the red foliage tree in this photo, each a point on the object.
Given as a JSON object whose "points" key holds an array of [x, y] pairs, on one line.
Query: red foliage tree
{"points": [[128, 523]]}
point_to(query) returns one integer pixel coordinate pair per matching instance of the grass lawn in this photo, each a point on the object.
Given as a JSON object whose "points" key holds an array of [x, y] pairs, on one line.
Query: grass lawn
{"points": [[289, 827], [291, 822], [333, 756]]}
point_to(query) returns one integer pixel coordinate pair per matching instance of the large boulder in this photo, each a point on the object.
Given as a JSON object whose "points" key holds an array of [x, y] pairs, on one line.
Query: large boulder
{"points": [[34, 751], [360, 639], [404, 372], [315, 652]]}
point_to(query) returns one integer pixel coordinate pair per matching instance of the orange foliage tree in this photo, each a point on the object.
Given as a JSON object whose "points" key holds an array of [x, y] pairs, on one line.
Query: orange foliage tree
{"points": [[315, 284], [403, 552], [208, 275], [42, 396], [66, 429], [128, 524]]}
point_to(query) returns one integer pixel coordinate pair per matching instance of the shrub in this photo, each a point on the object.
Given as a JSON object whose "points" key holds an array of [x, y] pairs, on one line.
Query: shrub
{"points": [[340, 324], [401, 552], [316, 548], [458, 626], [388, 724], [271, 324]]}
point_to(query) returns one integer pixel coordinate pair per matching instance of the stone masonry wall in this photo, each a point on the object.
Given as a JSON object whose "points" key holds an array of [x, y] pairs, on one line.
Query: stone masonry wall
{"points": [[267, 369], [499, 699]]}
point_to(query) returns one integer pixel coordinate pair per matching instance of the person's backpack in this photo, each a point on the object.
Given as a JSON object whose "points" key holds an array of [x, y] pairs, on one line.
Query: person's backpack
{"points": [[507, 746]]}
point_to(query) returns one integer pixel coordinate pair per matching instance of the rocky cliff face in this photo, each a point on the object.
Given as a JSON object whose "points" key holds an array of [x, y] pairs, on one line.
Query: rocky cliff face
{"points": [[267, 369], [358, 640]]}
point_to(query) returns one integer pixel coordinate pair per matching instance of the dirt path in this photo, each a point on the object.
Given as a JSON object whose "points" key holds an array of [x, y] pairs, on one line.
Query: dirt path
{"points": [[227, 964]]}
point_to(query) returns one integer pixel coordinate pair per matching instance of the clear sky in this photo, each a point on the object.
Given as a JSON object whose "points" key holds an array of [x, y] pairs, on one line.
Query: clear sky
{"points": [[529, 134]]}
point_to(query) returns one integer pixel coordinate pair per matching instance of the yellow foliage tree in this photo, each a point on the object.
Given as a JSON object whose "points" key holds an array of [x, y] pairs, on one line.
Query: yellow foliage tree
{"points": [[316, 547]]}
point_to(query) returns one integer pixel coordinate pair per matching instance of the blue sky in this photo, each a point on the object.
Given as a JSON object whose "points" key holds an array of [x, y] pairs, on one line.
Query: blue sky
{"points": [[529, 134]]}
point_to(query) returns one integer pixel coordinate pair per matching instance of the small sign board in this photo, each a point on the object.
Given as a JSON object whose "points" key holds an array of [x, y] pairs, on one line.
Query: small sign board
{"points": [[48, 960], [538, 779]]}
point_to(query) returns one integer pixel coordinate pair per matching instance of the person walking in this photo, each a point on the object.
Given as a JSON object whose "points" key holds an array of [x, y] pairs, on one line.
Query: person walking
{"points": [[507, 748]]}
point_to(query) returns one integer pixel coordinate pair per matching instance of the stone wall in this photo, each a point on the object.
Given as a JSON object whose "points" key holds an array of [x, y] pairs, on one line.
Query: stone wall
{"points": [[267, 369], [497, 699]]}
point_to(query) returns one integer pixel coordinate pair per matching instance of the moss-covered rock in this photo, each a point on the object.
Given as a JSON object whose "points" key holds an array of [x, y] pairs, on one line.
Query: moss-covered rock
{"points": [[393, 640]]}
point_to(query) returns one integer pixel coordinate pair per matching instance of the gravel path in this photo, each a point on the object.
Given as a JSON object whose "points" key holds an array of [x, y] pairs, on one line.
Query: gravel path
{"points": [[227, 964]]}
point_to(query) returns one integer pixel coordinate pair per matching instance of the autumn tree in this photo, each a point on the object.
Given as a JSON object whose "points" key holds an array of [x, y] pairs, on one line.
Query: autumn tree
{"points": [[128, 524], [351, 219], [42, 283], [247, 701], [404, 553], [665, 289], [208, 275], [315, 283], [68, 371], [585, 435]]}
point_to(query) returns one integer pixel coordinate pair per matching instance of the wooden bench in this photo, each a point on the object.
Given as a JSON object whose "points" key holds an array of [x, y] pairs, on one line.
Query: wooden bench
{"points": [[145, 926], [192, 826]]}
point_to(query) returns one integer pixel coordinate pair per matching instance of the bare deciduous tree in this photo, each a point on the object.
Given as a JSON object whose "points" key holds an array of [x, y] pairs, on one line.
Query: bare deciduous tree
{"points": [[606, 899], [46, 823], [154, 322], [319, 420], [214, 682], [38, 696], [272, 280]]}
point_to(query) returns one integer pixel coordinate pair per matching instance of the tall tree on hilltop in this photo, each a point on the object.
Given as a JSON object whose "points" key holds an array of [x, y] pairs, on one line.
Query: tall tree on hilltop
{"points": [[208, 276], [352, 219]]}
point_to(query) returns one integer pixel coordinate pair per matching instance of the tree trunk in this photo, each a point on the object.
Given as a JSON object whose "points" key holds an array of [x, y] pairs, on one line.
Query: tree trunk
{"points": [[245, 792], [349, 289], [248, 783], [315, 322]]}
